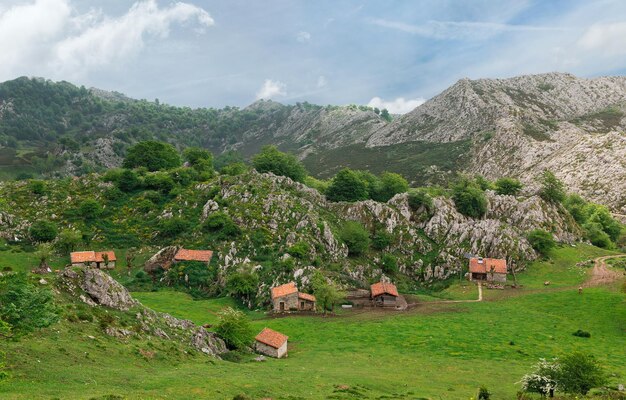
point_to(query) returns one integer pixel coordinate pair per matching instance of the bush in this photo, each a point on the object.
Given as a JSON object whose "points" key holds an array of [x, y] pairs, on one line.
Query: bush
{"points": [[234, 169], [37, 187], [242, 285], [483, 393], [389, 264], [233, 327], [347, 186], [172, 227], [89, 209], [159, 181], [581, 333], [552, 189], [68, 240], [470, 201], [508, 186], [381, 240], [390, 184], [541, 241], [270, 159], [152, 155], [128, 180], [419, 198], [597, 237], [200, 159], [221, 224], [43, 231], [579, 373], [356, 237], [299, 250]]}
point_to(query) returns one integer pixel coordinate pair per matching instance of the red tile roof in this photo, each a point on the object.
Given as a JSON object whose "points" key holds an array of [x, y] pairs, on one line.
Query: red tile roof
{"points": [[79, 257], [193, 255], [384, 288], [284, 290], [271, 338], [487, 265], [306, 296]]}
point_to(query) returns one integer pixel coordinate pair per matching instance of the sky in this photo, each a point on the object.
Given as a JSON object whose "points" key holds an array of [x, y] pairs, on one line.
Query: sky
{"points": [[386, 54]]}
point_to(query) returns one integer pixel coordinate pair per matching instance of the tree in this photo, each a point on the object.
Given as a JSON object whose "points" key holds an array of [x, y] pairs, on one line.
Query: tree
{"points": [[596, 235], [483, 183], [389, 264], [469, 199], [390, 185], [577, 207], [152, 155], [508, 186], [159, 181], [602, 216], [356, 237], [418, 198], [579, 373], [128, 180], [542, 379], [43, 231], [347, 186], [270, 159], [68, 240], [541, 241], [221, 225], [243, 285], [44, 252], [172, 227], [234, 328], [327, 294], [37, 187], [385, 115], [227, 158], [23, 306], [89, 209], [199, 159], [552, 189]]}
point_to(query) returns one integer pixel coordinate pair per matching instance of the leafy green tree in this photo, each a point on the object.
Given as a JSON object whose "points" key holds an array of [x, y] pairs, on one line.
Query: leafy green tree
{"points": [[596, 235], [381, 239], [541, 241], [602, 216], [389, 263], [356, 237], [159, 181], [227, 158], [385, 115], [128, 181], [508, 186], [90, 209], [483, 183], [390, 185], [234, 169], [152, 155], [347, 186], [199, 159], [234, 328], [552, 189], [270, 159], [579, 373], [222, 225], [577, 207], [23, 306], [43, 231], [43, 254], [327, 294], [469, 199], [172, 227], [243, 285], [68, 240]]}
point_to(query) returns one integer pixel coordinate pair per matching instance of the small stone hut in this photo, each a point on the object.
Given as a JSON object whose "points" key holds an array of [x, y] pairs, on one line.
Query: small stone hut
{"points": [[384, 294], [487, 269], [271, 343], [287, 298], [95, 259], [193, 255]]}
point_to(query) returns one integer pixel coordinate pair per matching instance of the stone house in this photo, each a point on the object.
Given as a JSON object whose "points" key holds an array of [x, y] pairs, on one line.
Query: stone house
{"points": [[193, 255], [487, 269], [287, 298], [271, 343], [95, 259], [384, 294]]}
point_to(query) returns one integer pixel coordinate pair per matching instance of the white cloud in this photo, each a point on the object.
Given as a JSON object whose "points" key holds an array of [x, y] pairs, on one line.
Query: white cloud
{"points": [[607, 38], [397, 106], [271, 89], [50, 37], [303, 37], [321, 82]]}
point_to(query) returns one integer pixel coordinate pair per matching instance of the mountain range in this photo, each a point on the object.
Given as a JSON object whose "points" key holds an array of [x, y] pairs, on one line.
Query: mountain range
{"points": [[493, 127]]}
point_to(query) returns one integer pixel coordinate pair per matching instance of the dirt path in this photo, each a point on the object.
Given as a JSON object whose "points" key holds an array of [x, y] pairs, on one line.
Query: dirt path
{"points": [[601, 274]]}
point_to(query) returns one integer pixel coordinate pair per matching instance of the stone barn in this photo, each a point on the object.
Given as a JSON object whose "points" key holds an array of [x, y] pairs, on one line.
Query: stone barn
{"points": [[271, 343], [487, 269], [287, 298], [384, 294], [193, 255], [95, 259]]}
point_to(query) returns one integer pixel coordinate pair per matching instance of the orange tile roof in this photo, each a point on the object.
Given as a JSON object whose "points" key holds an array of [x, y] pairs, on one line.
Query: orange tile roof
{"points": [[488, 264], [284, 290], [79, 257], [271, 338], [306, 296], [384, 288], [193, 255]]}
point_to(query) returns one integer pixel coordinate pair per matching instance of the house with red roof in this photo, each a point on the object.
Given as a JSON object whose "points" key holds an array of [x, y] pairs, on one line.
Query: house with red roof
{"points": [[384, 294], [271, 343], [487, 269], [95, 259], [193, 255], [287, 298]]}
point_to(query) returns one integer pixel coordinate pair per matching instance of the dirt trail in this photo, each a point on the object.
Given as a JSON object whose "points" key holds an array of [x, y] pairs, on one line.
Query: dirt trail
{"points": [[601, 274]]}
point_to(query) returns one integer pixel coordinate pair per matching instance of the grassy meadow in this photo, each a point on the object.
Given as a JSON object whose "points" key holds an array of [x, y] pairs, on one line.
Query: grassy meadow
{"points": [[433, 351]]}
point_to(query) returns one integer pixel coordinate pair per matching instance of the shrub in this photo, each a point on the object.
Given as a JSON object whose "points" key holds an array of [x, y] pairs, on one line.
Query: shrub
{"points": [[242, 285], [299, 250], [579, 373], [270, 159], [221, 224], [508, 186], [200, 159], [381, 240], [483, 393], [597, 237], [159, 181], [541, 241], [356, 237], [43, 231], [68, 240], [89, 209], [470, 201], [128, 181], [37, 187], [172, 227], [152, 155], [483, 183], [327, 294], [581, 333], [233, 327], [552, 189], [390, 185], [234, 169], [419, 198], [389, 264], [186, 176], [347, 186]]}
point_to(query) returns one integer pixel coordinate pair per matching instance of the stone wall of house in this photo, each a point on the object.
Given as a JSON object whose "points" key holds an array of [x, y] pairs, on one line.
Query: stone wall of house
{"points": [[385, 301], [290, 300], [493, 277], [308, 305], [271, 351]]}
